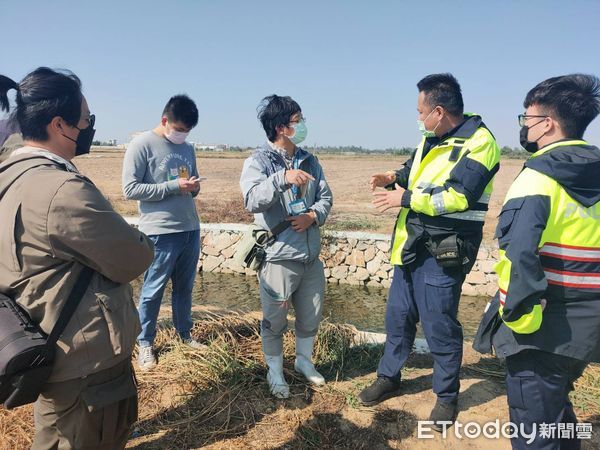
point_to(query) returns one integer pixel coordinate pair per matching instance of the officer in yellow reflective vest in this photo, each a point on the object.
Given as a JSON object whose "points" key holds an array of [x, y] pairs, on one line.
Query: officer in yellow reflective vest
{"points": [[549, 268], [443, 191]]}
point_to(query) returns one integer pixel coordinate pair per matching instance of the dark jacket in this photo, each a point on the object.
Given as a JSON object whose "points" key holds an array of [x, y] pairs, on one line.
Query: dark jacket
{"points": [[548, 233]]}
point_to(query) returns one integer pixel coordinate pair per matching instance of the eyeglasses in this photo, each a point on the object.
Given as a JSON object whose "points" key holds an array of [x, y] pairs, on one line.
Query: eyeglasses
{"points": [[295, 122], [523, 117], [91, 120]]}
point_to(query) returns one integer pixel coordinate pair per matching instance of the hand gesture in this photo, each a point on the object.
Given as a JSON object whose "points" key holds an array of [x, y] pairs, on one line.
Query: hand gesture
{"points": [[297, 177], [382, 179], [384, 200]]}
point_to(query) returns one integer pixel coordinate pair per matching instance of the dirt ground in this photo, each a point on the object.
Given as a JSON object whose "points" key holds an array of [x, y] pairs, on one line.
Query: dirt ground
{"points": [[220, 198]]}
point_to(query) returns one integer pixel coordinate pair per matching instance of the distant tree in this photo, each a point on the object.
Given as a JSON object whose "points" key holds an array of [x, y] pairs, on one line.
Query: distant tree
{"points": [[104, 143], [513, 152]]}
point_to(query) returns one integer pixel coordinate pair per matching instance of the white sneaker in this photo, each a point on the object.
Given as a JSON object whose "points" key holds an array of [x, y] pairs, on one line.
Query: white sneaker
{"points": [[146, 359], [193, 343], [277, 384], [303, 364]]}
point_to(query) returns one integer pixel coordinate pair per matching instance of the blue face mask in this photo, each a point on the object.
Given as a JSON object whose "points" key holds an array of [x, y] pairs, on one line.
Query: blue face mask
{"points": [[424, 131], [300, 132]]}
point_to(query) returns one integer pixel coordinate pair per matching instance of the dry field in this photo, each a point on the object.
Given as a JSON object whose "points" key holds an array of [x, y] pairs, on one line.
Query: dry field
{"points": [[220, 199]]}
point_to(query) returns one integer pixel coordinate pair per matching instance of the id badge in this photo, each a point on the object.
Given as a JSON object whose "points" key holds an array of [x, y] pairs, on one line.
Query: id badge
{"points": [[298, 207]]}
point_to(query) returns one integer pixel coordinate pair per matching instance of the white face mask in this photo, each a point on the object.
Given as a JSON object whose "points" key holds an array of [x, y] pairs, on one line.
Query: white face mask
{"points": [[300, 132], [177, 137], [424, 131]]}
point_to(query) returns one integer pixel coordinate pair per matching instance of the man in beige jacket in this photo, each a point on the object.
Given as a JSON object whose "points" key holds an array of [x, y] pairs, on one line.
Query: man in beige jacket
{"points": [[55, 222]]}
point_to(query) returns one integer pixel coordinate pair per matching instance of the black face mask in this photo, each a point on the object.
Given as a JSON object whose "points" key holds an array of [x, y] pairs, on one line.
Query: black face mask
{"points": [[85, 137], [84, 141], [531, 147]]}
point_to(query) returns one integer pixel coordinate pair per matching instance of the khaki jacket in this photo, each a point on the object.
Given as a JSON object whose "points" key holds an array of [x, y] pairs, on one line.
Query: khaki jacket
{"points": [[53, 222]]}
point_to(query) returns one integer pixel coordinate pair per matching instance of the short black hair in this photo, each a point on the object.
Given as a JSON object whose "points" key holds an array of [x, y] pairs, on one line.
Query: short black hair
{"points": [[274, 111], [42, 95], [442, 89], [181, 108], [572, 100]]}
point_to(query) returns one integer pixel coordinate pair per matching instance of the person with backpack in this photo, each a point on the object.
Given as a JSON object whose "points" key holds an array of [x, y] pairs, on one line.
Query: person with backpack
{"points": [[55, 224]]}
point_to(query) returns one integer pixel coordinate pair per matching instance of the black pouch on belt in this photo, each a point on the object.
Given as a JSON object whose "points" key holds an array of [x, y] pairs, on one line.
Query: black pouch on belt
{"points": [[446, 251]]}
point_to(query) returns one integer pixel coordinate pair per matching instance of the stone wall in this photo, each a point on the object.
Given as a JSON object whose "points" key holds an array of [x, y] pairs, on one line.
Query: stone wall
{"points": [[349, 257]]}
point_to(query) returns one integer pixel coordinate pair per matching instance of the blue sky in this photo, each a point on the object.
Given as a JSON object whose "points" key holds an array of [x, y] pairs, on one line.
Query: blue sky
{"points": [[352, 65]]}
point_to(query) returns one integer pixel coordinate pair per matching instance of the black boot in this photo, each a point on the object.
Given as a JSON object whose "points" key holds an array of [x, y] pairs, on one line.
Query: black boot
{"points": [[443, 412], [381, 389]]}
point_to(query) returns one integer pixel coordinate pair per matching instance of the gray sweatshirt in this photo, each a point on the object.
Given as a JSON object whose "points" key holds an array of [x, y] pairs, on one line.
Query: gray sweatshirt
{"points": [[151, 169]]}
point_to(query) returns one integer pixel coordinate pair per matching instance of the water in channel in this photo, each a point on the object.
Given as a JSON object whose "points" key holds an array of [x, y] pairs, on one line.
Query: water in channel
{"points": [[361, 306]]}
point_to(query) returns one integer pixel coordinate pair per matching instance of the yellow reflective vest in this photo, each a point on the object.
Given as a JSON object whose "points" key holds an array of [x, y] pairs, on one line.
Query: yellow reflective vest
{"points": [[549, 238], [449, 183]]}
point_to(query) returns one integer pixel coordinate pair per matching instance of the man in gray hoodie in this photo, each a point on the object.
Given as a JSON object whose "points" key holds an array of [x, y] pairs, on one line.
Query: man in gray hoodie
{"points": [[284, 184]]}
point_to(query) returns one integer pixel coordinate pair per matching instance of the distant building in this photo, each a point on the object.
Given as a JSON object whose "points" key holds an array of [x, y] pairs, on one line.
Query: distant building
{"points": [[212, 147]]}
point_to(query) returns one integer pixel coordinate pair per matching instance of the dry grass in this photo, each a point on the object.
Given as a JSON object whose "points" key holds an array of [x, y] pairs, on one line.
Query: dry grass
{"points": [[207, 397], [202, 397], [586, 396], [219, 398], [197, 398], [16, 428]]}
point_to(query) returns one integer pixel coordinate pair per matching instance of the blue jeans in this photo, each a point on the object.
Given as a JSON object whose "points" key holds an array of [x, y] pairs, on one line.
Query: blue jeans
{"points": [[175, 258], [425, 291]]}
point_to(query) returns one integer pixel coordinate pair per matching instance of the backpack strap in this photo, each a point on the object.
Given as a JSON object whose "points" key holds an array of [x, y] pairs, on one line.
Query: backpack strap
{"points": [[39, 162], [81, 285], [281, 226]]}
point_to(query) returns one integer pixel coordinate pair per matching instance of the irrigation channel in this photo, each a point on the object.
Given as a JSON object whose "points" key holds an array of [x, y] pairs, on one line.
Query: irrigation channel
{"points": [[361, 306]]}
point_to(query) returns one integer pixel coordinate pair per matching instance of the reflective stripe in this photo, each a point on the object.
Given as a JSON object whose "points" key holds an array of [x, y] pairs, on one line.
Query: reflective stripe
{"points": [[502, 296], [569, 265], [476, 216], [424, 185], [485, 198], [438, 203], [573, 279], [571, 252]]}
